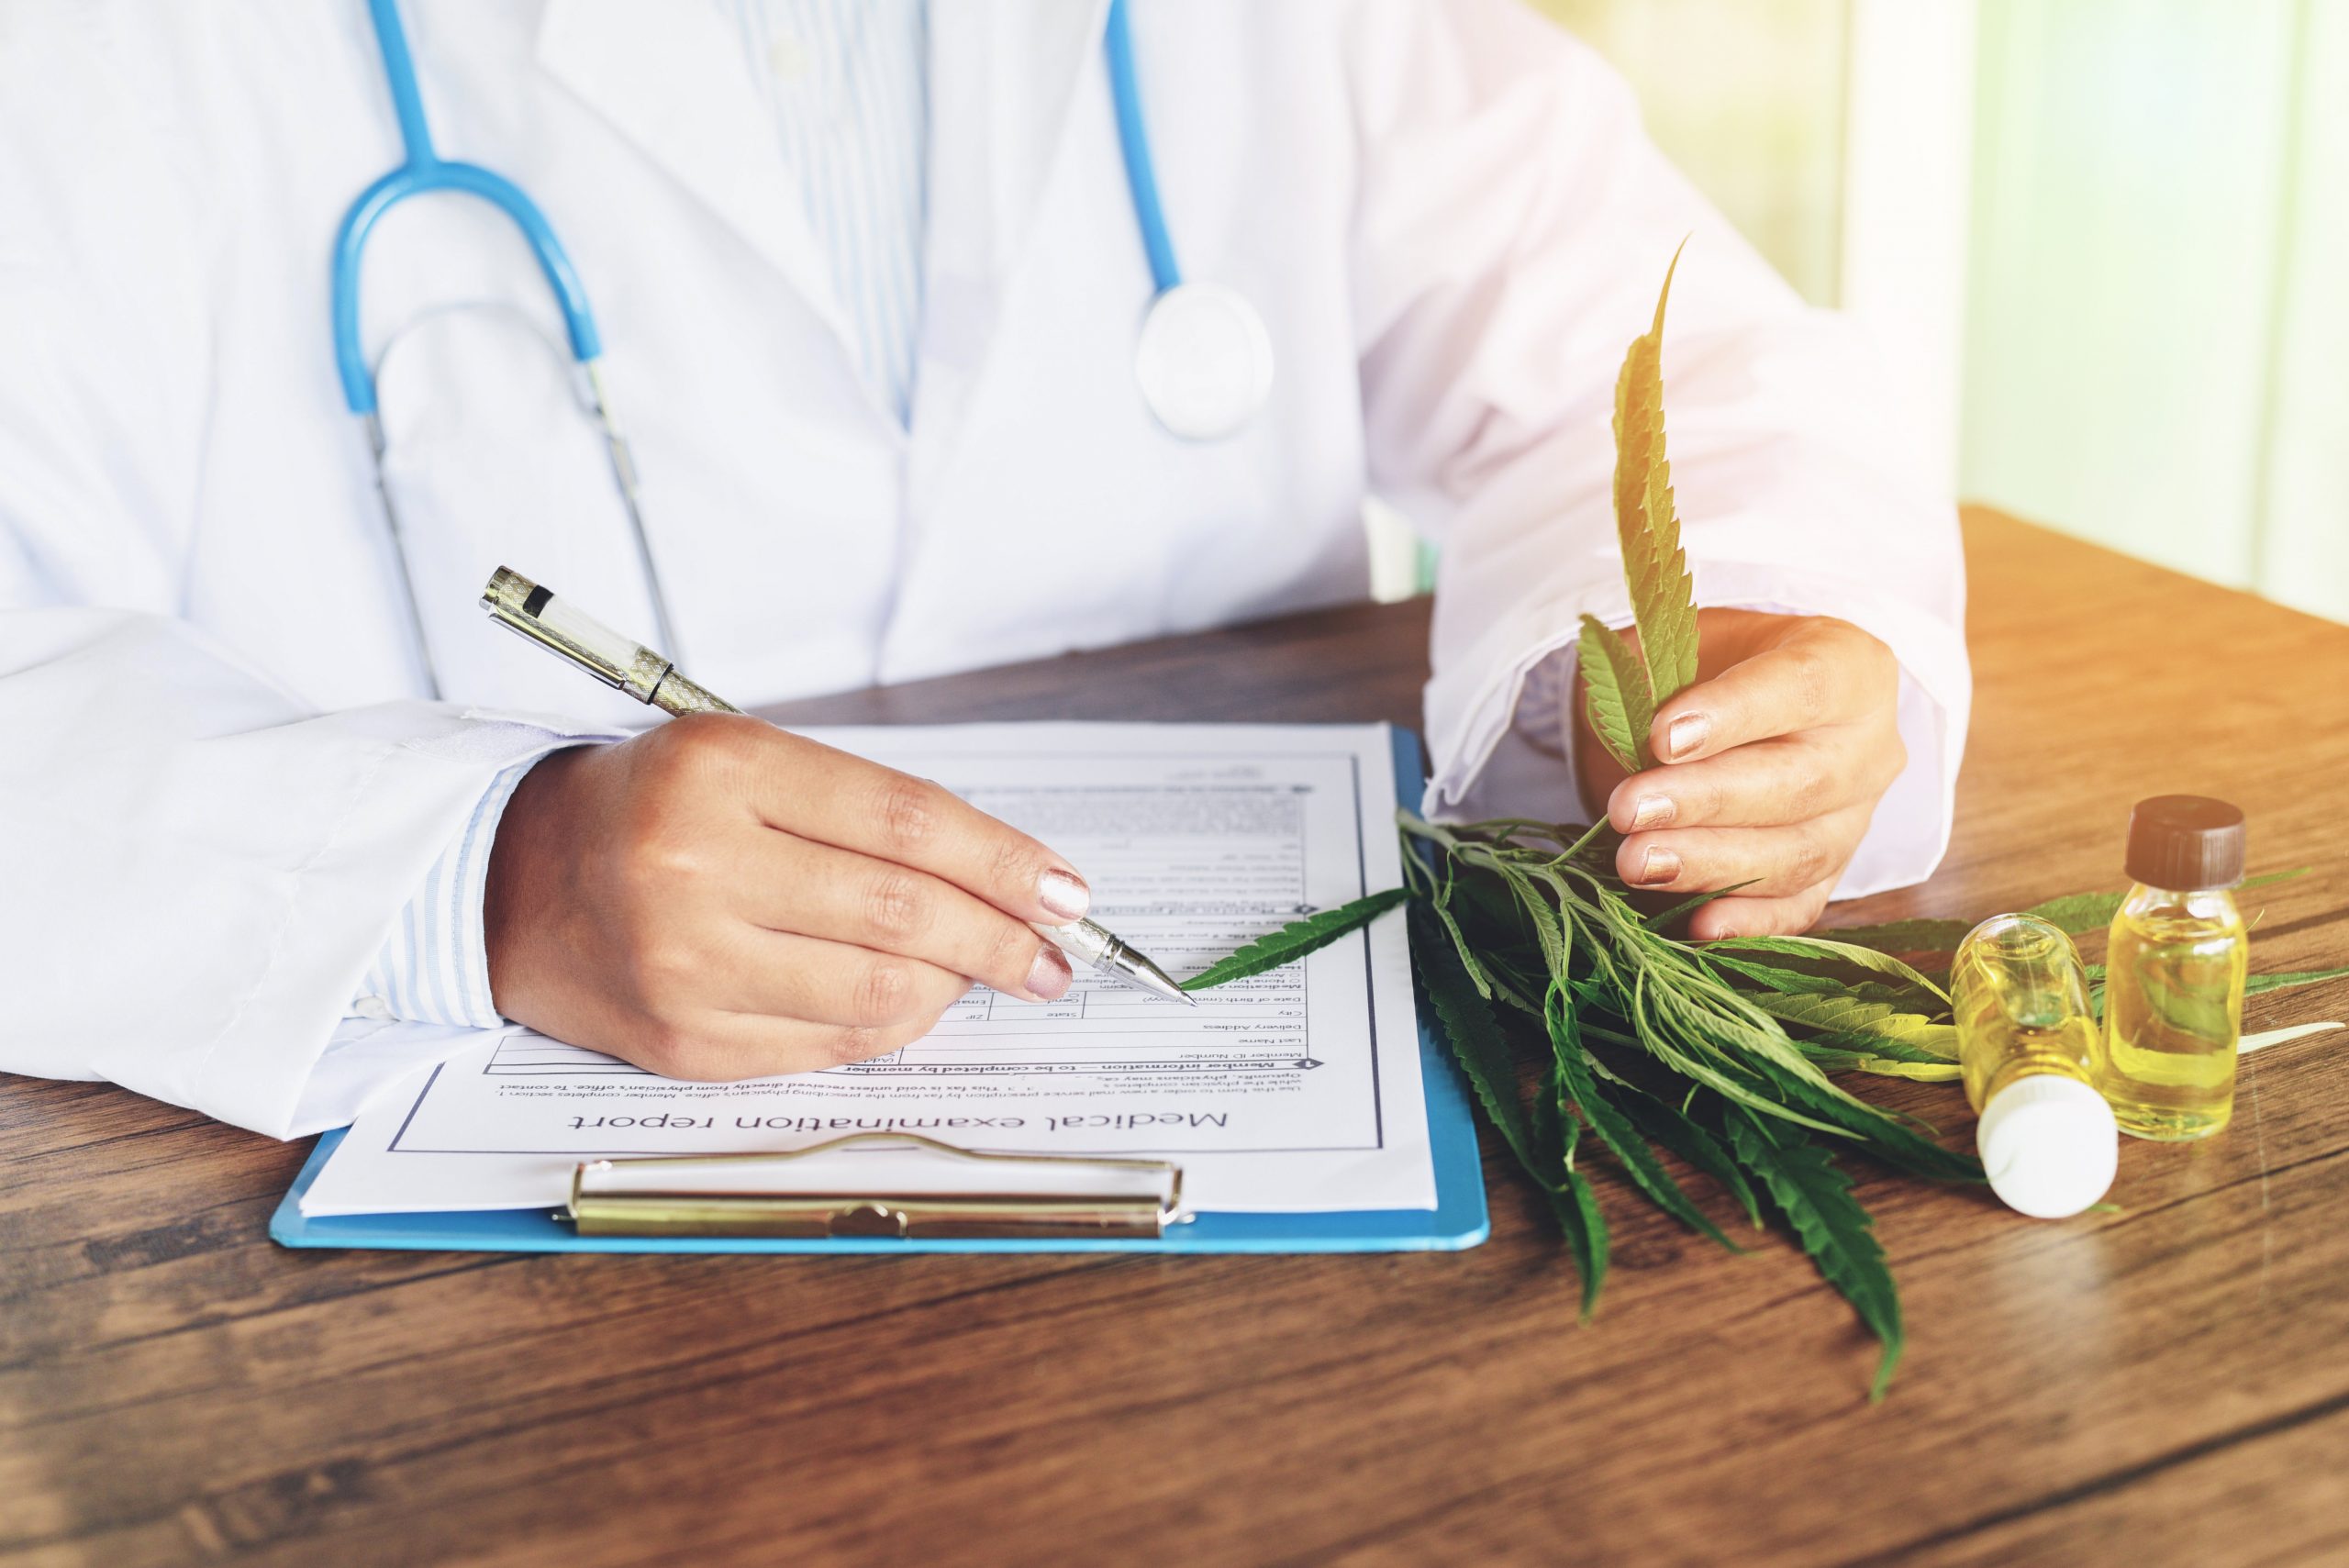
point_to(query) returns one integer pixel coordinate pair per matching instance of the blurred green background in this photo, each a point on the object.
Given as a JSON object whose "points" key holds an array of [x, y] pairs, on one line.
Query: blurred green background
{"points": [[2104, 241]]}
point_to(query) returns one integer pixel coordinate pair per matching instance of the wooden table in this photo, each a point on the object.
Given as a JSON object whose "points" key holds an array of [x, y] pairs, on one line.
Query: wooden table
{"points": [[2165, 1385]]}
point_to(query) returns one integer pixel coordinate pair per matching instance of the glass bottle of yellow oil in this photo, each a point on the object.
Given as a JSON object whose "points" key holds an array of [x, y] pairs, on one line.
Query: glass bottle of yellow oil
{"points": [[2029, 1052], [2174, 971]]}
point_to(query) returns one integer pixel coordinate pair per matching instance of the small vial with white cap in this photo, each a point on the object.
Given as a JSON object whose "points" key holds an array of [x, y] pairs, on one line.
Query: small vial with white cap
{"points": [[2030, 1052]]}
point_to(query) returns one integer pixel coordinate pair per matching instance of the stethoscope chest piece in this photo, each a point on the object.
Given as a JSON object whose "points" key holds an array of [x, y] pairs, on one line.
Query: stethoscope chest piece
{"points": [[1204, 362]]}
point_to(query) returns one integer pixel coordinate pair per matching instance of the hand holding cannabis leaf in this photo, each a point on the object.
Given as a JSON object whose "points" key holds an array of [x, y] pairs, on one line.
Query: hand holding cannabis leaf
{"points": [[1757, 745], [1766, 771], [1728, 1054]]}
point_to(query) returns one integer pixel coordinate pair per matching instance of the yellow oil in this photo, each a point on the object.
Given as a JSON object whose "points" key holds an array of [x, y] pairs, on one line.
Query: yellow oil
{"points": [[2006, 1050], [2020, 1003], [2173, 1012]]}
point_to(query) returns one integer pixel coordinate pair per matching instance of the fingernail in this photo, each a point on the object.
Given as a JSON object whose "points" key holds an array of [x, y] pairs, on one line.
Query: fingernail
{"points": [[1063, 893], [1687, 733], [1651, 811], [1049, 976], [1661, 865]]}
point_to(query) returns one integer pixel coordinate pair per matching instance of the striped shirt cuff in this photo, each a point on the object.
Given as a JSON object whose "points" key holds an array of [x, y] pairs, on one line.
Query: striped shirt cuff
{"points": [[435, 966], [1544, 705]]}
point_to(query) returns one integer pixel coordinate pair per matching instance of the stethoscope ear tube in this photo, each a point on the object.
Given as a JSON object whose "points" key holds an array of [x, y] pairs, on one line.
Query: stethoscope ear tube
{"points": [[423, 171], [1203, 358]]}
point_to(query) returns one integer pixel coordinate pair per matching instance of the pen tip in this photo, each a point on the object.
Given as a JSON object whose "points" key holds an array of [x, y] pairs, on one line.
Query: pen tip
{"points": [[1158, 979]]}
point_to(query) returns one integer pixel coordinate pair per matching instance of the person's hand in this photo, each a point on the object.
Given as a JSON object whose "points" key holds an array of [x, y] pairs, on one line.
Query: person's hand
{"points": [[718, 898], [1769, 767]]}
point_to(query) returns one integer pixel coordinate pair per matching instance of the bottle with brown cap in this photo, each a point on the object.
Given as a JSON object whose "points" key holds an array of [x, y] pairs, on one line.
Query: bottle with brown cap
{"points": [[2174, 971]]}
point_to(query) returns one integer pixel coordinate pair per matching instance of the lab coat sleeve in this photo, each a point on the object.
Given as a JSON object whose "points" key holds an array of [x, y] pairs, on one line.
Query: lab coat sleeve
{"points": [[1513, 226], [201, 870], [196, 867]]}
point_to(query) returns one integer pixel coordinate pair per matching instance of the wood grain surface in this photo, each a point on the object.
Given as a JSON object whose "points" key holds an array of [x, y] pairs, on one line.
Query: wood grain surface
{"points": [[2168, 1384]]}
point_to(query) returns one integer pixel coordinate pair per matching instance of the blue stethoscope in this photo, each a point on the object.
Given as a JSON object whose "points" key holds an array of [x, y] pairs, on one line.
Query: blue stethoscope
{"points": [[1203, 363]]}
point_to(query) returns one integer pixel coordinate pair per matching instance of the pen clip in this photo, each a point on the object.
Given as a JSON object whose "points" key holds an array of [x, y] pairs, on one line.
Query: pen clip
{"points": [[521, 606]]}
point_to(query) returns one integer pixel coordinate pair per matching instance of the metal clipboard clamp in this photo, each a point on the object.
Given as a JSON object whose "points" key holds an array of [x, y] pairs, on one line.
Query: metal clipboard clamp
{"points": [[883, 1185]]}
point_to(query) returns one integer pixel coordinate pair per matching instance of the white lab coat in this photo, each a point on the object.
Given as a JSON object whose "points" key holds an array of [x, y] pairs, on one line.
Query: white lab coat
{"points": [[218, 779]]}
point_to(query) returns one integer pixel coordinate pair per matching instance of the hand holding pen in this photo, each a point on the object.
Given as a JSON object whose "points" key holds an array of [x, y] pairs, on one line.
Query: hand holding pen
{"points": [[719, 898]]}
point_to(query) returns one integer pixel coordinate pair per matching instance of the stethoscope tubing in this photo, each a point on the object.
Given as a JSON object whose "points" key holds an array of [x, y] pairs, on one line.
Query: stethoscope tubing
{"points": [[422, 170], [471, 179], [1133, 143]]}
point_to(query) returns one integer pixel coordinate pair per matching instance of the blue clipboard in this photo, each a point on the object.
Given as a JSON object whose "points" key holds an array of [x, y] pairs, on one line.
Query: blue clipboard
{"points": [[1457, 1221]]}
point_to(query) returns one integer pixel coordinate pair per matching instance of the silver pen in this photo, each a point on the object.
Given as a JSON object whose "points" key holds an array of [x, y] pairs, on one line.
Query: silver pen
{"points": [[522, 605]]}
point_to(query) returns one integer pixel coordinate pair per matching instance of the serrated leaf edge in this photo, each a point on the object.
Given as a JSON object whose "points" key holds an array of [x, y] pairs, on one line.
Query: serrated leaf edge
{"points": [[1656, 568], [1296, 940]]}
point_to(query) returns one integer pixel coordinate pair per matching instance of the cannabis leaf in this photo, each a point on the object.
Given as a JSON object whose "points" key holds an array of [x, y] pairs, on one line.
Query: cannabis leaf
{"points": [[1676, 1130], [1904, 936], [1439, 887], [2260, 983], [2078, 912], [1295, 939], [1860, 1034], [1876, 1134], [1822, 948], [1474, 1034], [1464, 1016], [1615, 1131], [1576, 1207], [1572, 1201], [1622, 707], [2075, 914], [1663, 598], [1915, 1070], [1775, 977], [1856, 1024], [1694, 902], [1828, 1220]]}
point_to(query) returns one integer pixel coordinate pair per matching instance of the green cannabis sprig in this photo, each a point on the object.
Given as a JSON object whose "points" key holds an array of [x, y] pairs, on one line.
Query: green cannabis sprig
{"points": [[1719, 1053], [1533, 955], [1627, 685], [1295, 939], [1532, 952]]}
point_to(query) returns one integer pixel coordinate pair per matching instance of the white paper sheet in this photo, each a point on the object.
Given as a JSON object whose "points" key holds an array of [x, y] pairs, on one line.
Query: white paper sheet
{"points": [[1296, 1090]]}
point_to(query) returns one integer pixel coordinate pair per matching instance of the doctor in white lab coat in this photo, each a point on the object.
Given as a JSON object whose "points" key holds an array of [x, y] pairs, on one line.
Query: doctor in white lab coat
{"points": [[230, 811]]}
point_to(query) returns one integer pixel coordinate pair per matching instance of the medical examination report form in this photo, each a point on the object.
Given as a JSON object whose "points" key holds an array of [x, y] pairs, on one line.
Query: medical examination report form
{"points": [[1296, 1090]]}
